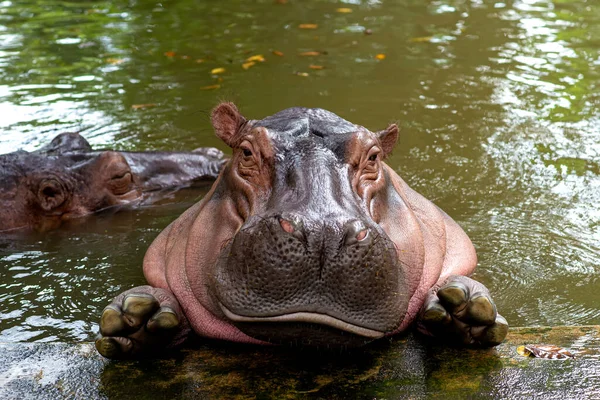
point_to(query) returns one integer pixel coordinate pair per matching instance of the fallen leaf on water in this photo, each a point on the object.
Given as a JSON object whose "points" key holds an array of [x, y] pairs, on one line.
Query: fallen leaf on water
{"points": [[308, 26], [311, 53], [302, 73], [380, 56], [248, 64], [344, 10], [368, 31], [210, 87], [215, 71], [170, 53], [548, 351], [114, 61], [316, 66], [200, 60], [258, 57], [278, 53], [185, 57], [140, 106], [421, 39]]}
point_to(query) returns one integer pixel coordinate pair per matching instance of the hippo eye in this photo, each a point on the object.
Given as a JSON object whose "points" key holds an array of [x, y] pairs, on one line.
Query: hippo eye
{"points": [[120, 184], [373, 157], [247, 153]]}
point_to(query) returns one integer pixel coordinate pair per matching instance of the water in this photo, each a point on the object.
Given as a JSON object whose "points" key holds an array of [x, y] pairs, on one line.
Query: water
{"points": [[497, 101]]}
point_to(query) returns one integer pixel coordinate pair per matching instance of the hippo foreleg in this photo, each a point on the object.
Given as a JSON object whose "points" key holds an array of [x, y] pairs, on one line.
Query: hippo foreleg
{"points": [[462, 311], [141, 321]]}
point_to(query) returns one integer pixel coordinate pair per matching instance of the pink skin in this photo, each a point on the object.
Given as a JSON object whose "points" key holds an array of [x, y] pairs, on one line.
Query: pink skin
{"points": [[429, 244]]}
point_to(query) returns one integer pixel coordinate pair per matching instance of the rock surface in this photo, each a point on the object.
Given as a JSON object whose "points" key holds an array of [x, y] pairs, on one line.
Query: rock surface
{"points": [[406, 367]]}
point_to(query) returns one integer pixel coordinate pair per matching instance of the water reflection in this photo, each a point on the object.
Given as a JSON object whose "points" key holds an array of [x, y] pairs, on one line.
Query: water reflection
{"points": [[497, 102]]}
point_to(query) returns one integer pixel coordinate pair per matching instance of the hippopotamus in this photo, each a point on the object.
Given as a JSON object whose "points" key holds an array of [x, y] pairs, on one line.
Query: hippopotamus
{"points": [[306, 238], [67, 179]]}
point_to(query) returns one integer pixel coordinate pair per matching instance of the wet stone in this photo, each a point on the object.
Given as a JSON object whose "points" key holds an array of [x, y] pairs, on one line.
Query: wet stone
{"points": [[405, 367]]}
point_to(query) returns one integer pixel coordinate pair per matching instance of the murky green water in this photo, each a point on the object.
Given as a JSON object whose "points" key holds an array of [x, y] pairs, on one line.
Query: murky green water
{"points": [[498, 104]]}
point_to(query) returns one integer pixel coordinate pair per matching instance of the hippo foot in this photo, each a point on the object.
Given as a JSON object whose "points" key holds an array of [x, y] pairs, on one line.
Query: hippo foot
{"points": [[462, 312], [141, 322]]}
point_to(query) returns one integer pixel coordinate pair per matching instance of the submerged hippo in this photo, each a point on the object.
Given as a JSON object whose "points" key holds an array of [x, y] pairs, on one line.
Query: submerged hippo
{"points": [[307, 237], [67, 179]]}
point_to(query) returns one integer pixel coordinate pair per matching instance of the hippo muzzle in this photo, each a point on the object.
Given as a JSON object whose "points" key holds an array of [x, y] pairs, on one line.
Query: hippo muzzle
{"points": [[285, 278]]}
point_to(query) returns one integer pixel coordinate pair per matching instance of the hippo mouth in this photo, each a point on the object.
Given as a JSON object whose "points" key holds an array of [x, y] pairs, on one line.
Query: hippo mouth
{"points": [[308, 328]]}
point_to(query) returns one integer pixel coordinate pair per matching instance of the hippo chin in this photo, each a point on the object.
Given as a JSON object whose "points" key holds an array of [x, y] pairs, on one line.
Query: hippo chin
{"points": [[307, 237], [67, 179]]}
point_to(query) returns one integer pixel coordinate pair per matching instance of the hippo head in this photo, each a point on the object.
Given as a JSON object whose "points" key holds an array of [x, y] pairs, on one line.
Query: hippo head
{"points": [[310, 261], [41, 191]]}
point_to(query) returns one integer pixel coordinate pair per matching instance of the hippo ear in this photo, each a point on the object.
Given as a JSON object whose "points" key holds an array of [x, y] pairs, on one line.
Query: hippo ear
{"points": [[227, 120], [51, 194], [388, 139]]}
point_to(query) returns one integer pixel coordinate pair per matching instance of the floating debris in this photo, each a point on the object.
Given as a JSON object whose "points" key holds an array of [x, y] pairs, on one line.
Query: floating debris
{"points": [[311, 53], [316, 66], [210, 87], [115, 61], [170, 53], [302, 73], [343, 10], [256, 58], [200, 60], [141, 106], [421, 39], [215, 71], [248, 64], [380, 56], [277, 53], [548, 351], [368, 31], [308, 26]]}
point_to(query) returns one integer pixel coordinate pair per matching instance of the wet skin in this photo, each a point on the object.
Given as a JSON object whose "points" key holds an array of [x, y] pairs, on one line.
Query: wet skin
{"points": [[307, 237], [67, 179]]}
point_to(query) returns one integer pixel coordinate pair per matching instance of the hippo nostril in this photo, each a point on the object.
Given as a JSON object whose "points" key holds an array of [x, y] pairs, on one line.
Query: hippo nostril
{"points": [[293, 225], [286, 225], [362, 235], [356, 232]]}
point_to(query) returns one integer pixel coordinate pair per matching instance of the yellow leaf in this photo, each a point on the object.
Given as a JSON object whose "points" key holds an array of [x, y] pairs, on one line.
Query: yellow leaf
{"points": [[210, 87], [200, 60], [140, 106], [316, 66], [308, 26], [522, 351], [421, 39], [278, 53], [258, 57], [380, 56], [170, 53], [115, 61], [248, 64], [311, 53], [344, 10], [215, 71], [302, 73]]}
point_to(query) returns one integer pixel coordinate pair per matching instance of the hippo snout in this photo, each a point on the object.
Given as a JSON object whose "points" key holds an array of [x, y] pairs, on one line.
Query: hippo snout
{"points": [[286, 272]]}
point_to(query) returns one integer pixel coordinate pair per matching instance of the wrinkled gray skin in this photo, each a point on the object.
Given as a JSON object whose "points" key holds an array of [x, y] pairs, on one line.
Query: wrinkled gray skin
{"points": [[306, 238], [67, 179]]}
